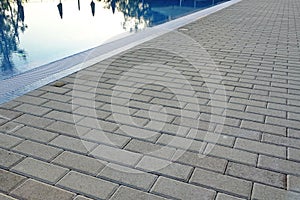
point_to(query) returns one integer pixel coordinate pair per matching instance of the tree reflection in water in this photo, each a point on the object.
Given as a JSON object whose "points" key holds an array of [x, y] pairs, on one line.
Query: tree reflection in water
{"points": [[11, 23], [137, 13]]}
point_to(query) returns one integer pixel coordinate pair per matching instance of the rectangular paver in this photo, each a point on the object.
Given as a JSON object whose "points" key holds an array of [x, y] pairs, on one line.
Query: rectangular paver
{"points": [[40, 170], [8, 158], [165, 168], [128, 176], [116, 155], [198, 160], [255, 174], [180, 190], [35, 134], [222, 182], [8, 141], [73, 144], [9, 180], [231, 154], [32, 189], [87, 185], [150, 149], [37, 150], [293, 183], [269, 193], [79, 162], [259, 147], [126, 193], [279, 165]]}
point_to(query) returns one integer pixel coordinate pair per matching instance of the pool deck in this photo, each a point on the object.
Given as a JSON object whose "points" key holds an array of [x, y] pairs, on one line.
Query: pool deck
{"points": [[211, 111]]}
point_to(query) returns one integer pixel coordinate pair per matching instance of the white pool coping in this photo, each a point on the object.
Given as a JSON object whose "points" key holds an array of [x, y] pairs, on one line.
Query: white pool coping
{"points": [[43, 75]]}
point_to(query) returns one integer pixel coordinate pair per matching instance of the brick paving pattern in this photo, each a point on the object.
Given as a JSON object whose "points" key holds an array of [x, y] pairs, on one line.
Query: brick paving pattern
{"points": [[55, 143]]}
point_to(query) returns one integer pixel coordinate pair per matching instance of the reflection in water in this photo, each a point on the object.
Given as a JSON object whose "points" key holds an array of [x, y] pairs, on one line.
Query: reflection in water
{"points": [[11, 22], [60, 9], [51, 37], [137, 13], [93, 8]]}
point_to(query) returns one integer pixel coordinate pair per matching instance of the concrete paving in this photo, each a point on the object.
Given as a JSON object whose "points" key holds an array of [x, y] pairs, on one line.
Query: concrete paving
{"points": [[210, 111]]}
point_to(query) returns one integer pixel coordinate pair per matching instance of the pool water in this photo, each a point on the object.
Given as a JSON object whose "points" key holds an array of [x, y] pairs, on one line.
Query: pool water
{"points": [[37, 32]]}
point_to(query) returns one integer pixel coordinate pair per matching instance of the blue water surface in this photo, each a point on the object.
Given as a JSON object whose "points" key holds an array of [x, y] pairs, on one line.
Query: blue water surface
{"points": [[37, 32]]}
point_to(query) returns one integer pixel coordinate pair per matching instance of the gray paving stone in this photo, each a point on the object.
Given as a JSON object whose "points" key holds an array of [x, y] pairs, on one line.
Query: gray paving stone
{"points": [[59, 90], [245, 115], [165, 168], [126, 193], [271, 193], [259, 147], [10, 127], [150, 149], [79, 162], [69, 129], [139, 133], [8, 141], [40, 170], [36, 93], [9, 114], [9, 180], [9, 105], [293, 133], [283, 122], [63, 116], [279, 165], [247, 102], [87, 185], [231, 154], [106, 138], [178, 190], [35, 134], [222, 196], [279, 140], [221, 182], [37, 150], [92, 112], [294, 154], [239, 132], [31, 100], [3, 121], [81, 198], [266, 111], [211, 137], [56, 97], [8, 158], [32, 189], [197, 160], [272, 129], [116, 155], [32, 120], [32, 109], [255, 174], [59, 106], [293, 183], [102, 125], [73, 144], [6, 197], [180, 142], [128, 176]]}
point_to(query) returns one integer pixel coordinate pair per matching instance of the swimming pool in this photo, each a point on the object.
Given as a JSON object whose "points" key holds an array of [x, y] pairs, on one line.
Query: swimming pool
{"points": [[36, 32], [18, 79]]}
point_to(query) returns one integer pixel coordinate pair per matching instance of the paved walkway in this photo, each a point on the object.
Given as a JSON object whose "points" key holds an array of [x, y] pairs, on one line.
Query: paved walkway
{"points": [[166, 120]]}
